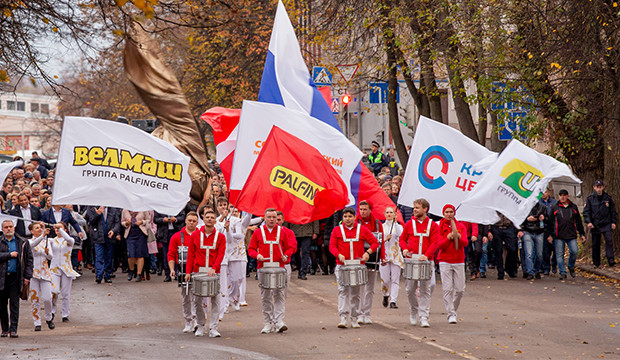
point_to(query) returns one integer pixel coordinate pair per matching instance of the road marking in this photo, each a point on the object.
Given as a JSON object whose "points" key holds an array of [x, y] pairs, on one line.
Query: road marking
{"points": [[392, 327]]}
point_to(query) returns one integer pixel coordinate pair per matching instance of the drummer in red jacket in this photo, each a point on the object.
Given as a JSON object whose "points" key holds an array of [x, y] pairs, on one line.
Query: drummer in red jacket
{"points": [[273, 300], [426, 232], [451, 258], [212, 242], [183, 238], [349, 297]]}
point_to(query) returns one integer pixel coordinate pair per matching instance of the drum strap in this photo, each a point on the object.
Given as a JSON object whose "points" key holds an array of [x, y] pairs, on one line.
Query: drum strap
{"points": [[207, 248], [421, 235], [351, 241], [270, 242]]}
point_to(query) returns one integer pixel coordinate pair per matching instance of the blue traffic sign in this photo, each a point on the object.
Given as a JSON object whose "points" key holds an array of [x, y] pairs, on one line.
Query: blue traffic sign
{"points": [[321, 76]]}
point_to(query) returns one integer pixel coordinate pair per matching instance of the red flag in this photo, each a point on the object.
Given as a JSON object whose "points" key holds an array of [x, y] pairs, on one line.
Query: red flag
{"points": [[224, 123], [293, 177]]}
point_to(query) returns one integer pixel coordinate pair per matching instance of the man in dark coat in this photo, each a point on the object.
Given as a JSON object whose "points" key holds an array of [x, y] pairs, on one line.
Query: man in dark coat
{"points": [[601, 217], [16, 263], [105, 226], [167, 225], [26, 211]]}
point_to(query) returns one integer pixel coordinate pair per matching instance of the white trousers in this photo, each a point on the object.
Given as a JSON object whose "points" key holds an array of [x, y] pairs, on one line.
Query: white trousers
{"points": [[242, 290], [236, 275], [201, 303], [367, 293], [40, 291], [390, 280], [348, 298], [423, 307], [189, 304], [453, 285], [224, 289], [274, 302], [63, 283]]}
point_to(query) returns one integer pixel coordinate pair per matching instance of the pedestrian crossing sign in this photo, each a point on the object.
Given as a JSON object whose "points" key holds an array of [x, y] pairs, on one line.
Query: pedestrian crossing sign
{"points": [[321, 76]]}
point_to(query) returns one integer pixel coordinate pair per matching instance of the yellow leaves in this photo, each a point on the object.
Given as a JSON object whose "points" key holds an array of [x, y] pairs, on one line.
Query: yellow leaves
{"points": [[609, 48], [45, 20], [7, 12], [4, 76], [120, 3], [556, 65], [615, 4], [518, 352], [576, 61], [55, 29], [612, 325], [33, 81], [529, 55], [118, 32]]}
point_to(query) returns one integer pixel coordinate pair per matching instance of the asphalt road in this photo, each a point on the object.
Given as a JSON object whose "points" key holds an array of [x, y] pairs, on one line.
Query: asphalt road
{"points": [[545, 319]]}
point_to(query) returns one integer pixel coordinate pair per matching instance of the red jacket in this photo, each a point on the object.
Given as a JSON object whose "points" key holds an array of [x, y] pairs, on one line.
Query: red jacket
{"points": [[196, 257], [447, 252], [292, 242], [338, 246], [258, 246], [370, 223], [472, 229], [411, 242], [175, 242]]}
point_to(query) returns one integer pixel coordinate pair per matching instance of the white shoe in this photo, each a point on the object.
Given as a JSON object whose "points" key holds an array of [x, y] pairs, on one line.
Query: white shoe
{"points": [[281, 327], [343, 322], [356, 323], [267, 329], [214, 334], [243, 304], [413, 319], [189, 327], [227, 310], [452, 319], [236, 307], [424, 323], [200, 331], [195, 325], [367, 320]]}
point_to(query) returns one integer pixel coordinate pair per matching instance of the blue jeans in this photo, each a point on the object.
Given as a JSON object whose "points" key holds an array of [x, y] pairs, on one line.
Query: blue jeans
{"points": [[533, 247], [559, 254], [104, 259], [484, 257], [304, 254]]}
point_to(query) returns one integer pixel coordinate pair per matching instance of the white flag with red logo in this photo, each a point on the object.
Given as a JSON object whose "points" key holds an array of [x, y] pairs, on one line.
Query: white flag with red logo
{"points": [[441, 166]]}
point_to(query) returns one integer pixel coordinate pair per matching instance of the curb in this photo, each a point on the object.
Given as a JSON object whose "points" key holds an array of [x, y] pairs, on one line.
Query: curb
{"points": [[599, 271]]}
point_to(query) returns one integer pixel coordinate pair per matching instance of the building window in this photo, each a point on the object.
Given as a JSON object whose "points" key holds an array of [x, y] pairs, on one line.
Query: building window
{"points": [[34, 107], [45, 109], [11, 105], [21, 106]]}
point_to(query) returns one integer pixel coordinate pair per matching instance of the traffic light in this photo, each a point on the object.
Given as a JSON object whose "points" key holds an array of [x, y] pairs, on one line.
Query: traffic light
{"points": [[346, 99]]}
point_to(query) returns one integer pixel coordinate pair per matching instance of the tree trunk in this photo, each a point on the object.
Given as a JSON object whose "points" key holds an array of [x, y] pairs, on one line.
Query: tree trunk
{"points": [[611, 150], [391, 50], [430, 86], [496, 144], [482, 124]]}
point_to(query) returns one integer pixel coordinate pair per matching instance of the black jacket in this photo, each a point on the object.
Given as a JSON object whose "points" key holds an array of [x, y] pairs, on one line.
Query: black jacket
{"points": [[533, 227], [163, 232], [565, 222], [20, 228], [24, 269], [601, 212], [113, 222]]}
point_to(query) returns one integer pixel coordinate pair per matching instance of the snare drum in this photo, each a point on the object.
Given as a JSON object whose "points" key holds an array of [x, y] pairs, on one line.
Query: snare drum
{"points": [[205, 285], [272, 277], [417, 269], [352, 275]]}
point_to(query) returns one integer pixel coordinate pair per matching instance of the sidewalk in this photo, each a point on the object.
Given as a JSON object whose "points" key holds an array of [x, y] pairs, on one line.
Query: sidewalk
{"points": [[603, 270]]}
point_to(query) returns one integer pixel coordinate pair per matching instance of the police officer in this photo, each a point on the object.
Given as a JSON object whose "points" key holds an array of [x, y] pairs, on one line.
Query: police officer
{"points": [[377, 159]]}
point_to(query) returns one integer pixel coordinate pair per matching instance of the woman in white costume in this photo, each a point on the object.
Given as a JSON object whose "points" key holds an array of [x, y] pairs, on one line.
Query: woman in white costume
{"points": [[391, 259], [41, 282], [62, 271]]}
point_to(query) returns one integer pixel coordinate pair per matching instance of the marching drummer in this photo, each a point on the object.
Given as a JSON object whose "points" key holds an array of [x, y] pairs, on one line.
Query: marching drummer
{"points": [[271, 244], [183, 238], [451, 259], [367, 220], [420, 239], [204, 255], [345, 237]]}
